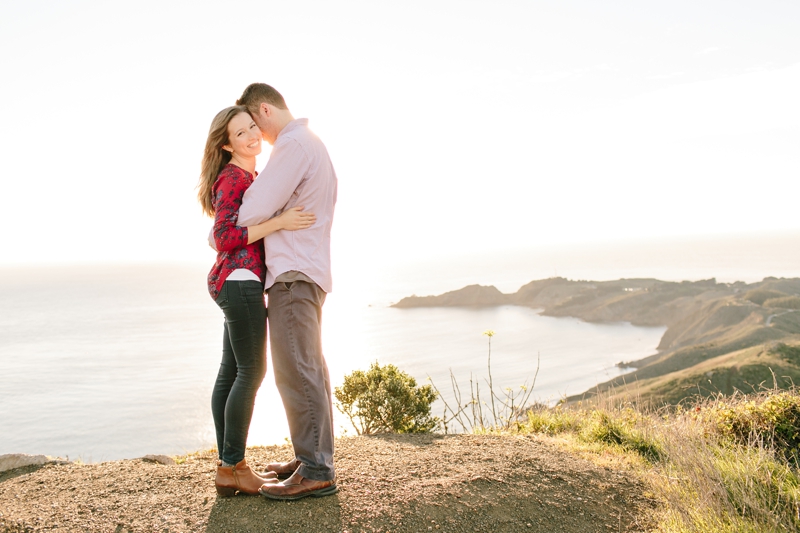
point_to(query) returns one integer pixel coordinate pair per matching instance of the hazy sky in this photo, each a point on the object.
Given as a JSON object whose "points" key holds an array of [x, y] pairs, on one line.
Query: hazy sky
{"points": [[453, 125]]}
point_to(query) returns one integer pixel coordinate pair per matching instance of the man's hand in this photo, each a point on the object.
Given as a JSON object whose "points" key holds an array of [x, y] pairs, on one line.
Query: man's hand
{"points": [[211, 242], [294, 219]]}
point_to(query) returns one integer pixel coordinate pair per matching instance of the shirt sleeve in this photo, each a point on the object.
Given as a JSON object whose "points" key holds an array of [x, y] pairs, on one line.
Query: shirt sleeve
{"points": [[272, 190], [228, 198]]}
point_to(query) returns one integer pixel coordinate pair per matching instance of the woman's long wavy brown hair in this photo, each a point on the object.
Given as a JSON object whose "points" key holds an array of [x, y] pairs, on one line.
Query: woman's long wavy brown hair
{"points": [[214, 157]]}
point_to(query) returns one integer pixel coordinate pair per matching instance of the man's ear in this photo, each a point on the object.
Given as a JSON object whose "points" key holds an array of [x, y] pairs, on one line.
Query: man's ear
{"points": [[266, 110]]}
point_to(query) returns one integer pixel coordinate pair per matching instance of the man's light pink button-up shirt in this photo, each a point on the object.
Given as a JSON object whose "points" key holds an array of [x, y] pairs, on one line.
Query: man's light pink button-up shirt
{"points": [[299, 172]]}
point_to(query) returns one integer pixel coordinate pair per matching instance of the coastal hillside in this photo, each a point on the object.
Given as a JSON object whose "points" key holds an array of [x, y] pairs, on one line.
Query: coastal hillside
{"points": [[720, 337]]}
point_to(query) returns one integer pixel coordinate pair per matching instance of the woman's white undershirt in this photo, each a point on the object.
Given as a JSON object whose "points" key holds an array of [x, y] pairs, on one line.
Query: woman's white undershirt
{"points": [[242, 274]]}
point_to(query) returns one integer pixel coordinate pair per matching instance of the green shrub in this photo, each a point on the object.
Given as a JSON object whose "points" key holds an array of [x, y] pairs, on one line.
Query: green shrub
{"points": [[785, 302], [773, 419], [619, 429], [385, 399], [787, 352], [553, 421]]}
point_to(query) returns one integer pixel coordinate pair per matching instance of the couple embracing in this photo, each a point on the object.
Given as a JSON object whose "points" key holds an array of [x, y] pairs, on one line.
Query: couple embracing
{"points": [[272, 234]]}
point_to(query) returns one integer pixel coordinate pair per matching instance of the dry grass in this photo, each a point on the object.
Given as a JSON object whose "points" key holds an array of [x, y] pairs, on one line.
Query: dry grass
{"points": [[725, 464], [722, 465]]}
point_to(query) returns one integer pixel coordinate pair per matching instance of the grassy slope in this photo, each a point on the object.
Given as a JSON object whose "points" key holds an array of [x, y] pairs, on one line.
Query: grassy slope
{"points": [[750, 369], [717, 466]]}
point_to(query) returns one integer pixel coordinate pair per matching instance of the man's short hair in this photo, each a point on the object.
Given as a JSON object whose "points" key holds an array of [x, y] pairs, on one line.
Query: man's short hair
{"points": [[256, 93]]}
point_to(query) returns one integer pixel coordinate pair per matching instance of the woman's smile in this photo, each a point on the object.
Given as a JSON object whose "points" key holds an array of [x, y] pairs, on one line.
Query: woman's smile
{"points": [[244, 137]]}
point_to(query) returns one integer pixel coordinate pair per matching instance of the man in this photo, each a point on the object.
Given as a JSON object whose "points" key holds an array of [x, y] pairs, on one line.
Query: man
{"points": [[299, 173]]}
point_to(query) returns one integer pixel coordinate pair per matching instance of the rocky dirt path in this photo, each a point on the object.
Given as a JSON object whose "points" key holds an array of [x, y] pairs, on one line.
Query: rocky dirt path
{"points": [[459, 483]]}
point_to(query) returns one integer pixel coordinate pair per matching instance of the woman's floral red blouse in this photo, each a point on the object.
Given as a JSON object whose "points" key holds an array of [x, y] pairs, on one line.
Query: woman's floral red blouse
{"points": [[230, 239]]}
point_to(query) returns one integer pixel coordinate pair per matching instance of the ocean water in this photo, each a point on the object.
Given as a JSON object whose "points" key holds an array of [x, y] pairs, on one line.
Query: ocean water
{"points": [[104, 362]]}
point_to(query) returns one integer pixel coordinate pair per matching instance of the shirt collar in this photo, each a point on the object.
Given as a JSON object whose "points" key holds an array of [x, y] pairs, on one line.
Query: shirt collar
{"points": [[296, 123]]}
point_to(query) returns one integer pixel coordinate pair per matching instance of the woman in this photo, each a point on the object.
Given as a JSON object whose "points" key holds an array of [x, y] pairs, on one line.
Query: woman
{"points": [[236, 283]]}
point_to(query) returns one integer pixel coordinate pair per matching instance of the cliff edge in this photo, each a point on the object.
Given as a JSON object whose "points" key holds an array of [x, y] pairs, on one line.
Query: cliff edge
{"points": [[456, 483]]}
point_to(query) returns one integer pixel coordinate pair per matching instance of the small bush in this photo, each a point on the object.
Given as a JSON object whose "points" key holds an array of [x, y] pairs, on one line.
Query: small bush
{"points": [[787, 352], [772, 420], [553, 421], [620, 429], [785, 302], [385, 399], [759, 296]]}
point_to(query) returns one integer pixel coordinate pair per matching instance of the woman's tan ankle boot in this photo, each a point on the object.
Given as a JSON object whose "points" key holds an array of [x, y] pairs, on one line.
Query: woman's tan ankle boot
{"points": [[238, 478]]}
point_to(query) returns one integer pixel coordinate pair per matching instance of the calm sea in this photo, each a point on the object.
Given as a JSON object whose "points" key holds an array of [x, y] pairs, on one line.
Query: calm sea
{"points": [[117, 361]]}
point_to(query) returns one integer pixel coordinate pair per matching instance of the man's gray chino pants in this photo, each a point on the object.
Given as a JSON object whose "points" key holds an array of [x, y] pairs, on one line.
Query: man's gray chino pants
{"points": [[301, 373]]}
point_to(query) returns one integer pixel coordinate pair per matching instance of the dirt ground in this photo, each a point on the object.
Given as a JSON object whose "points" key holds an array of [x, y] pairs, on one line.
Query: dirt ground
{"points": [[457, 483]]}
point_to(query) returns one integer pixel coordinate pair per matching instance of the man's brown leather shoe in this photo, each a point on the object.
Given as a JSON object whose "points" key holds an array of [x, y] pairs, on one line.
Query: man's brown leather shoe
{"points": [[297, 487], [284, 470], [240, 478]]}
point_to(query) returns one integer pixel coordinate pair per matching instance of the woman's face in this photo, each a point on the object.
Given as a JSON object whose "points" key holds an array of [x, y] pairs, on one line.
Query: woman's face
{"points": [[244, 137]]}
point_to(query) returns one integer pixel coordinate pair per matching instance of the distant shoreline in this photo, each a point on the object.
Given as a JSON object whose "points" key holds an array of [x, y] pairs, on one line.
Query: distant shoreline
{"points": [[713, 329]]}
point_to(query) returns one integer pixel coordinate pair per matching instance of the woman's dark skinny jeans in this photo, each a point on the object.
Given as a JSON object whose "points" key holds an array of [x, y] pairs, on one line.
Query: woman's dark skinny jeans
{"points": [[244, 363]]}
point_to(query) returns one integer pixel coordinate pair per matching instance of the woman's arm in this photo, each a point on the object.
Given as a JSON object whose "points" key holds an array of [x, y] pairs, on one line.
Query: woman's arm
{"points": [[226, 235], [227, 199], [291, 219]]}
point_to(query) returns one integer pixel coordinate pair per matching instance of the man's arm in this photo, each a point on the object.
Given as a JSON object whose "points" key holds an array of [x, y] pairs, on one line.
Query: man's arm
{"points": [[273, 188]]}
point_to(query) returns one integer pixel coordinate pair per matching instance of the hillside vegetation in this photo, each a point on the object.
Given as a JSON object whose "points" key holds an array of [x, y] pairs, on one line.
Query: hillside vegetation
{"points": [[720, 337], [721, 465]]}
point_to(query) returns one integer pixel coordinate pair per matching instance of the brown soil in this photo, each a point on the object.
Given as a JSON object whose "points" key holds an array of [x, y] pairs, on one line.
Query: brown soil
{"points": [[467, 483]]}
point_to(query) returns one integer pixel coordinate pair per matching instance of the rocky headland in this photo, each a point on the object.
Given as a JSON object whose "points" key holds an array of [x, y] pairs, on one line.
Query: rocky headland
{"points": [[720, 337]]}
